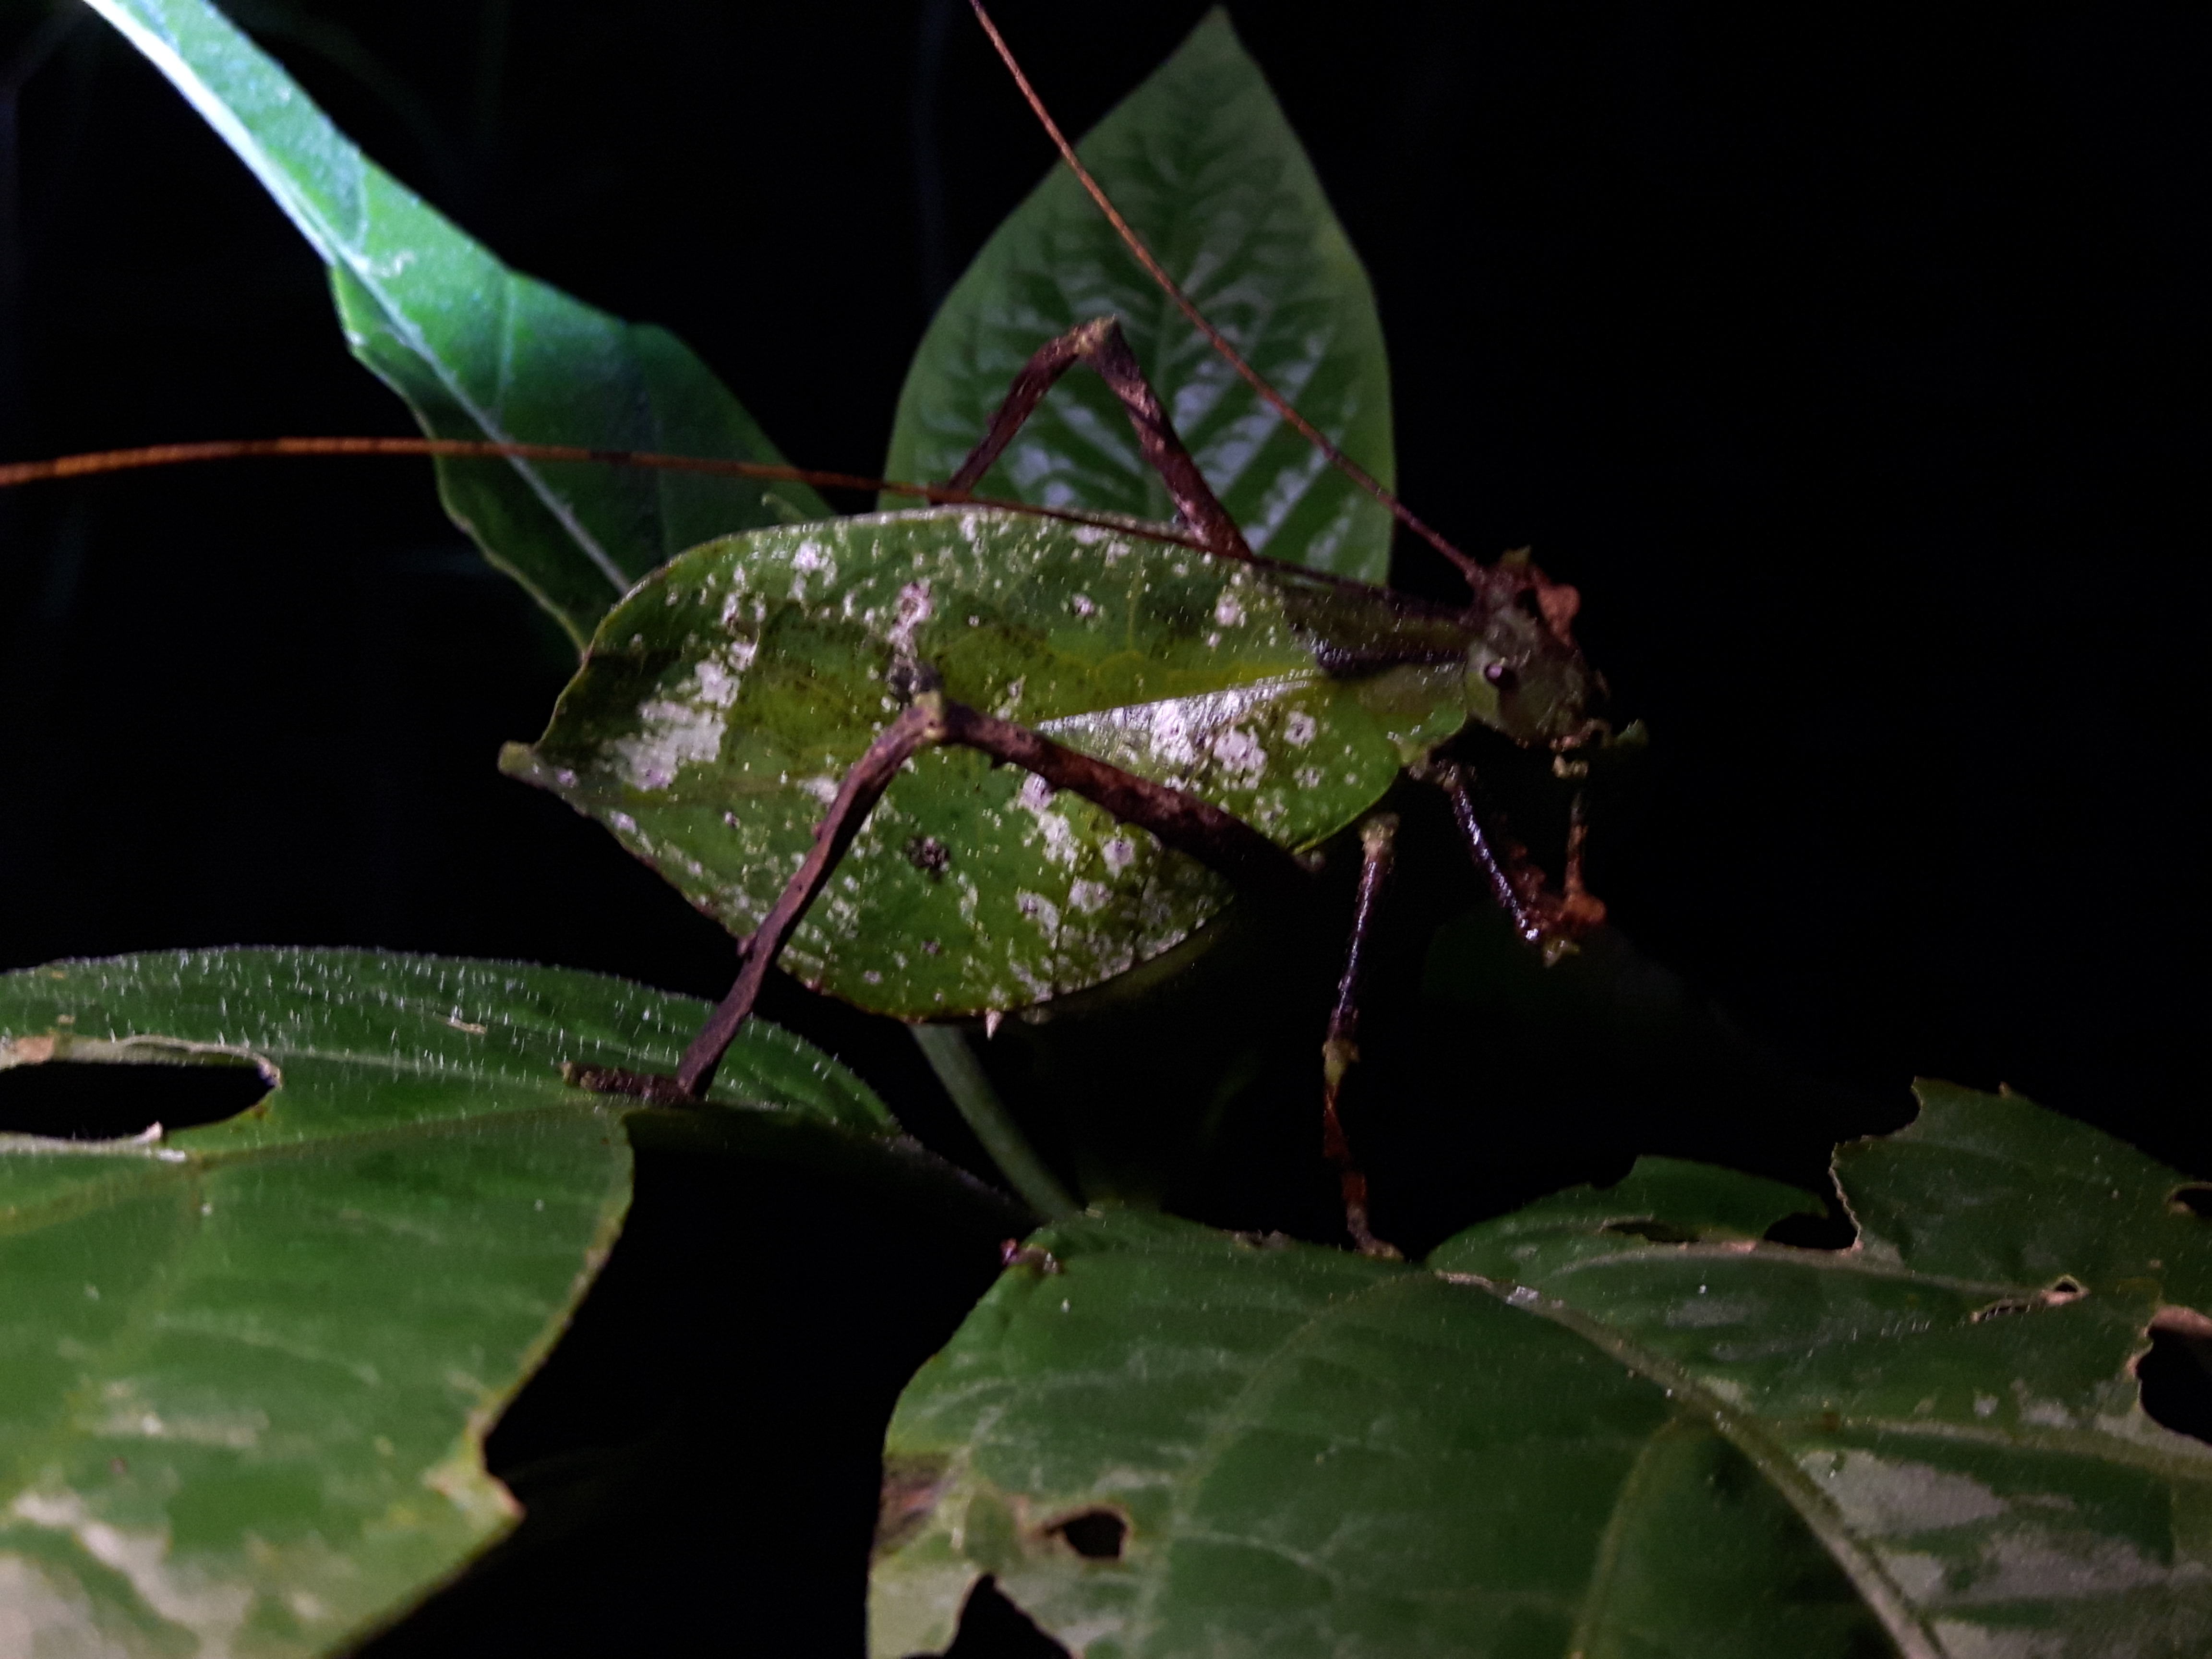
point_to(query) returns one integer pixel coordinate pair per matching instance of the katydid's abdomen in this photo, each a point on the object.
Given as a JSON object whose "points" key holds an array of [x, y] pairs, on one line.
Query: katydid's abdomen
{"points": [[725, 696]]}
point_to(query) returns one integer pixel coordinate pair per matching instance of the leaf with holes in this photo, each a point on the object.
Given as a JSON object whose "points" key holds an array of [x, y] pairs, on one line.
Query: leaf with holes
{"points": [[723, 701], [247, 1368], [1202, 160], [1613, 1423], [479, 351]]}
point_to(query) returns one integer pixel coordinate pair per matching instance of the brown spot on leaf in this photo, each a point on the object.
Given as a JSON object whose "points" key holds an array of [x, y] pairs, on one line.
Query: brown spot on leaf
{"points": [[929, 855], [2182, 1321], [912, 1485]]}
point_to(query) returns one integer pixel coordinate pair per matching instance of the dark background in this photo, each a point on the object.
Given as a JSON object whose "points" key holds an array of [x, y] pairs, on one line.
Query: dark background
{"points": [[1850, 362]]}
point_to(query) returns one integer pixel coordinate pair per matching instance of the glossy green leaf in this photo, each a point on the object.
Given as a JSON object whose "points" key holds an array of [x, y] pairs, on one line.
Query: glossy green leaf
{"points": [[723, 702], [1203, 164], [1615, 1424], [477, 350], [246, 1369]]}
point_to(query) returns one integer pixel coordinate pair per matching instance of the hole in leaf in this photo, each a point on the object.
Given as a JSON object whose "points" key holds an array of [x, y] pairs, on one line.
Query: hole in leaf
{"points": [[1998, 1309], [2176, 1378], [2063, 1289], [1834, 1231], [2197, 1200], [992, 1627], [1095, 1534], [74, 1100]]}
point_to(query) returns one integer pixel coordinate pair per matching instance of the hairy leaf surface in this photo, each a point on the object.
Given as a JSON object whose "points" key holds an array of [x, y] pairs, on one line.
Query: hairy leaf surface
{"points": [[723, 702], [1203, 164], [246, 1369], [1613, 1423], [479, 351]]}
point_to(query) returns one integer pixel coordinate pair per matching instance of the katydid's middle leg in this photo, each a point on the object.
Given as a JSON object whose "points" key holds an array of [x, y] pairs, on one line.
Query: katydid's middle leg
{"points": [[1339, 1050]]}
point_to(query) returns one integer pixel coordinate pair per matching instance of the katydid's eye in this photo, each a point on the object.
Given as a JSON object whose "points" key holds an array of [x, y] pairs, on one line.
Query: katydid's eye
{"points": [[1500, 675]]}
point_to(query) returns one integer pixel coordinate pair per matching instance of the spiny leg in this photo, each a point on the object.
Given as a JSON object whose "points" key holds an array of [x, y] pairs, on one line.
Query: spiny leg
{"points": [[1339, 1050], [1183, 822], [1551, 921], [919, 727], [1100, 343]]}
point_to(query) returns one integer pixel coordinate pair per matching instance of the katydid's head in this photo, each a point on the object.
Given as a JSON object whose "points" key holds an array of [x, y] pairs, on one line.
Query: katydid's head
{"points": [[1526, 676]]}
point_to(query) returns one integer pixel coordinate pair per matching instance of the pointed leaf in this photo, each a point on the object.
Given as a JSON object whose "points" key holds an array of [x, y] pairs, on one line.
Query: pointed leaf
{"points": [[246, 1369], [1613, 1425], [477, 350], [1201, 162], [726, 697]]}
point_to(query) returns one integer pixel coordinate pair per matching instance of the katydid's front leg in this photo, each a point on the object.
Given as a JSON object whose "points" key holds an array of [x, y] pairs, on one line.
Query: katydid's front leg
{"points": [[1100, 343], [1339, 1050], [1225, 842], [1550, 920]]}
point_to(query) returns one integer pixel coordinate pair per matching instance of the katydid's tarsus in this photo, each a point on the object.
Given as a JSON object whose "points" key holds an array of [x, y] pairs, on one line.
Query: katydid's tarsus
{"points": [[966, 760]]}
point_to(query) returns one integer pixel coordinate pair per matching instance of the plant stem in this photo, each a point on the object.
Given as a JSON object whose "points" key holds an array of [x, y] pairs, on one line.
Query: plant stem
{"points": [[946, 1048]]}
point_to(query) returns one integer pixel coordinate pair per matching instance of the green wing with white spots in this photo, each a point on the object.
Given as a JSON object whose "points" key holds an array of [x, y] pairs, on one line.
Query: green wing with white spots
{"points": [[726, 697]]}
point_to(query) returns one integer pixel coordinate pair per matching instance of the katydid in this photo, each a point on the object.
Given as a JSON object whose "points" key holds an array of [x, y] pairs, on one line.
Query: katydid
{"points": [[1244, 712], [964, 760]]}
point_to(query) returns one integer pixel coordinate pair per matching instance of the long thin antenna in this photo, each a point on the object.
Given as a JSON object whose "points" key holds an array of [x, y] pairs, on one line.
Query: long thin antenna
{"points": [[238, 449], [1282, 405]]}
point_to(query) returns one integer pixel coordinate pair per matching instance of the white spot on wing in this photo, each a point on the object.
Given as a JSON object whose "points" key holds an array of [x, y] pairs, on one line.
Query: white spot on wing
{"points": [[914, 608], [673, 733]]}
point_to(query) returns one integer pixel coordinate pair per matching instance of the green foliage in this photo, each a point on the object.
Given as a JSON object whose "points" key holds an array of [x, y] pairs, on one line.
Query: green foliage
{"points": [[1201, 161], [723, 701], [246, 1369], [479, 351], [1615, 1423]]}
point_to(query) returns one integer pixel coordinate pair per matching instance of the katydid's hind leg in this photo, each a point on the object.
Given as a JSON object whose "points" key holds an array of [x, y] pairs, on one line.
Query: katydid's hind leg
{"points": [[920, 726], [1339, 1050], [1101, 343], [1218, 839]]}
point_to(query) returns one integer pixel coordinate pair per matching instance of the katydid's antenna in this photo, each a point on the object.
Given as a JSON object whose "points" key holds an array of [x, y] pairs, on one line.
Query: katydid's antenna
{"points": [[1282, 405], [12, 473]]}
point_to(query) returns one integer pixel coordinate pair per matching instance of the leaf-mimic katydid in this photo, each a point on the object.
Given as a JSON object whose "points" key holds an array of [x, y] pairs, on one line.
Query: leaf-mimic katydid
{"points": [[967, 759]]}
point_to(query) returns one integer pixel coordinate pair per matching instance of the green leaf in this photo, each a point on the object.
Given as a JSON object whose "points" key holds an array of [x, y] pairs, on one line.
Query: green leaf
{"points": [[1201, 162], [725, 699], [246, 1369], [1615, 1423], [479, 351]]}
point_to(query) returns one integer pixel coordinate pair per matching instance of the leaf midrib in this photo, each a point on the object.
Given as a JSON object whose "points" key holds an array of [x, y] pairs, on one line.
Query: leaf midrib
{"points": [[192, 1164], [1745, 1431]]}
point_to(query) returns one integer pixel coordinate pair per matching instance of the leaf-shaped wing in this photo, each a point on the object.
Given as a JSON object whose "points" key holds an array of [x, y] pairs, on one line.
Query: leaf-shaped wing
{"points": [[1206, 168], [479, 351], [725, 699], [246, 1369], [1615, 1424]]}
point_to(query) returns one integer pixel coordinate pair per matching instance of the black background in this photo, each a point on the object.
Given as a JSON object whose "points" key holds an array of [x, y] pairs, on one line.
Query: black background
{"points": [[1851, 364]]}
